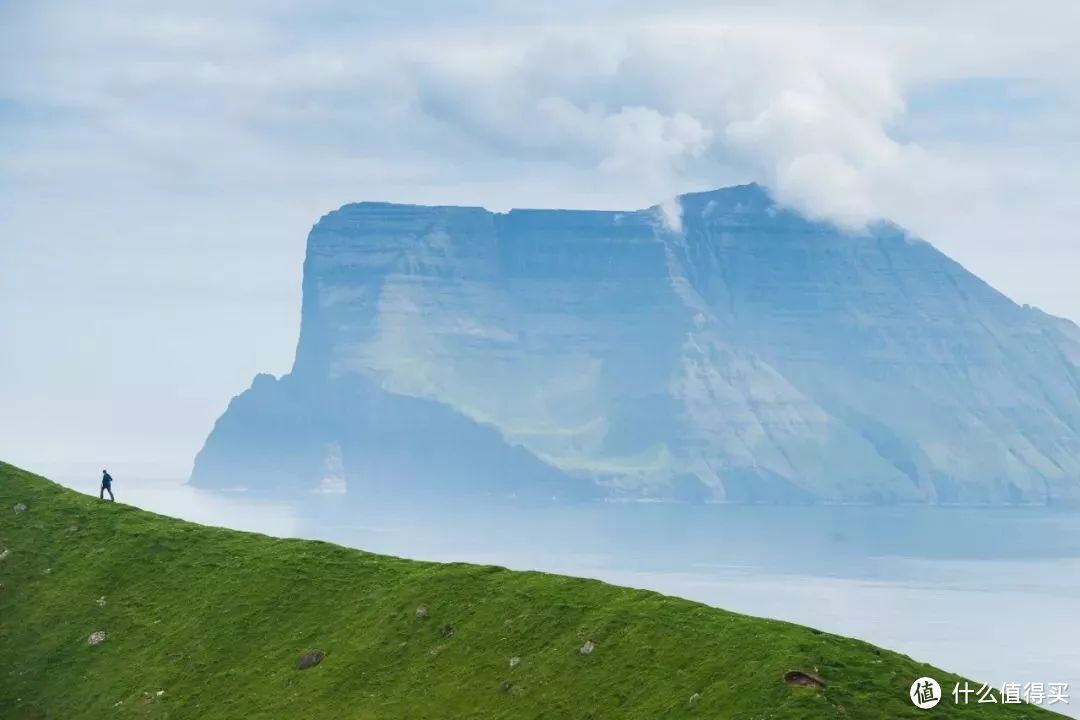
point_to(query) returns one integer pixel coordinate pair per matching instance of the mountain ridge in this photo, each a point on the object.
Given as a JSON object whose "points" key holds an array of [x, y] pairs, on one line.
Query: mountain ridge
{"points": [[752, 355], [111, 611]]}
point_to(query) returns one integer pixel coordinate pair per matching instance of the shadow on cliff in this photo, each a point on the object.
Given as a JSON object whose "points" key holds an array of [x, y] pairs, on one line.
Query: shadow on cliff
{"points": [[287, 438]]}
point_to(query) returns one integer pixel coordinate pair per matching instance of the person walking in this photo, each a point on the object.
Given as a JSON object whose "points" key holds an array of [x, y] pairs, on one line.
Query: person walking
{"points": [[106, 486]]}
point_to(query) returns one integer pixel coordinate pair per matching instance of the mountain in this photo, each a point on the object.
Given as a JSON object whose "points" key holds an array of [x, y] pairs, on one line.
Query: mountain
{"points": [[109, 611], [739, 353]]}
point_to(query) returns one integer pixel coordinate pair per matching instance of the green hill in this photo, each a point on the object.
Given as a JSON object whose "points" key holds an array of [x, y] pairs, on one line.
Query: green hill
{"points": [[208, 623]]}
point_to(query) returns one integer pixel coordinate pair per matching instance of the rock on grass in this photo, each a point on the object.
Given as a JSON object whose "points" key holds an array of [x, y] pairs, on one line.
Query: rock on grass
{"points": [[310, 659], [799, 678]]}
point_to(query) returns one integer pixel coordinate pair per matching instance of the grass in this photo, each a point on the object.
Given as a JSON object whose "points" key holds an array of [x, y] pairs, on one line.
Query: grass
{"points": [[217, 620]]}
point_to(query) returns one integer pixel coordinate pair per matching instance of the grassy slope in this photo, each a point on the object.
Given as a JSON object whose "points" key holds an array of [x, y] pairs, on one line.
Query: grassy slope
{"points": [[217, 619]]}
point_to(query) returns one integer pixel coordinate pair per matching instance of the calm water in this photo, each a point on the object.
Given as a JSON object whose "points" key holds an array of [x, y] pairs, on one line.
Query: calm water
{"points": [[991, 594]]}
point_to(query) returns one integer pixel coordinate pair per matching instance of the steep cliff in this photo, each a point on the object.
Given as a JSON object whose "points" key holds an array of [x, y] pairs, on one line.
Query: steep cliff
{"points": [[747, 355]]}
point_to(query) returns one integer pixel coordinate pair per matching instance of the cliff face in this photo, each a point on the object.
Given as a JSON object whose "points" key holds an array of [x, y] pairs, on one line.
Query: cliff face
{"points": [[749, 355]]}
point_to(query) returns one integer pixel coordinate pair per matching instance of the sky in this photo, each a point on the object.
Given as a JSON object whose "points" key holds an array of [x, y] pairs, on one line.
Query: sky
{"points": [[161, 165]]}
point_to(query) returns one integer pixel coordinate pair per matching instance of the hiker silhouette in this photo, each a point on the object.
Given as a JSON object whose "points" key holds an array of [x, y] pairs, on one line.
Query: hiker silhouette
{"points": [[106, 486]]}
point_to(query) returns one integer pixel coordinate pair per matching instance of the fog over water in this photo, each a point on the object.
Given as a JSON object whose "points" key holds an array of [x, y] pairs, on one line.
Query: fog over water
{"points": [[989, 593]]}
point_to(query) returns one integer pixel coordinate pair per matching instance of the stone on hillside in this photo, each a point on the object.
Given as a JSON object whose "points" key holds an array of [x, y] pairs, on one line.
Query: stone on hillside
{"points": [[20, 507], [96, 638], [101, 601], [803, 679], [4, 553], [587, 648], [421, 612], [448, 631], [310, 659], [505, 686], [694, 698], [515, 661]]}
